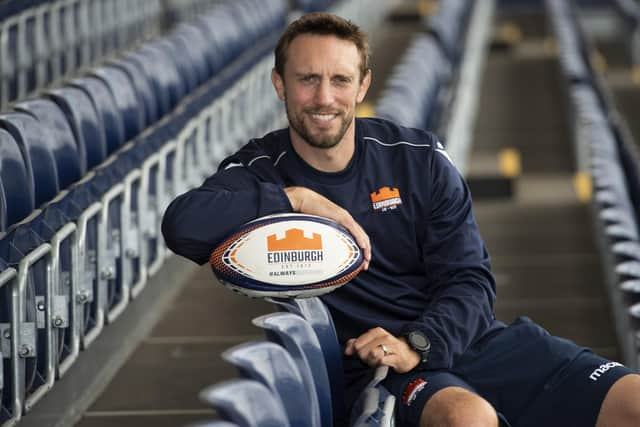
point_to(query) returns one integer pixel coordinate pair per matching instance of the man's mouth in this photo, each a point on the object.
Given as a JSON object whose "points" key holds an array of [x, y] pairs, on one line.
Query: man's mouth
{"points": [[323, 117]]}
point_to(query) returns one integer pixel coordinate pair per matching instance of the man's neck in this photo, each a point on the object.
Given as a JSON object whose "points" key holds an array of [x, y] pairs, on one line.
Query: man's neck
{"points": [[334, 159]]}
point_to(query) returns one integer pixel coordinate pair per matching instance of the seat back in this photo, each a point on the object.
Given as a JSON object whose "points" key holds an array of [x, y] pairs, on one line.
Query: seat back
{"points": [[85, 122], [105, 105], [297, 336], [210, 60], [126, 99], [246, 403], [318, 316], [183, 41], [68, 153], [131, 64], [3, 210], [164, 76], [32, 140], [271, 365], [182, 60], [16, 180]]}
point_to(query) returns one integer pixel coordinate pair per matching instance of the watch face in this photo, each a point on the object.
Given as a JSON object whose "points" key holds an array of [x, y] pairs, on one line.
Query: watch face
{"points": [[419, 341]]}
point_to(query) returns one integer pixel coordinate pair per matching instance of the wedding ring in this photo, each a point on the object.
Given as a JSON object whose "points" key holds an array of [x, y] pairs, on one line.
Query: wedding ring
{"points": [[384, 348]]}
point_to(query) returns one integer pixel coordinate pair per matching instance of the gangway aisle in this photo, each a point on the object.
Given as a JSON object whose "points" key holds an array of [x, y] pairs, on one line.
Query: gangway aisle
{"points": [[544, 254]]}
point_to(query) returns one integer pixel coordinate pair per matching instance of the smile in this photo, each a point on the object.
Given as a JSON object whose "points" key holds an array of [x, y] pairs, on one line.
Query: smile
{"points": [[323, 117]]}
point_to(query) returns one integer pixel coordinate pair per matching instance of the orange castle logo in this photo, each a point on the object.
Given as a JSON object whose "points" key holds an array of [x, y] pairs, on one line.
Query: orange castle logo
{"points": [[294, 240], [385, 198], [385, 193]]}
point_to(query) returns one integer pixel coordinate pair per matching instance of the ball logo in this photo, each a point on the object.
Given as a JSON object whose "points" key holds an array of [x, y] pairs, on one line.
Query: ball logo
{"points": [[294, 247]]}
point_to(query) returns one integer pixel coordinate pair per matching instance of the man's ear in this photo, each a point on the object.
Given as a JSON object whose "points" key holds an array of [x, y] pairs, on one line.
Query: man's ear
{"points": [[364, 86], [278, 84]]}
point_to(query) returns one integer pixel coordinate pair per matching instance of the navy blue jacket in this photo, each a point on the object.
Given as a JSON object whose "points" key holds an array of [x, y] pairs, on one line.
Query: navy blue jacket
{"points": [[429, 268]]}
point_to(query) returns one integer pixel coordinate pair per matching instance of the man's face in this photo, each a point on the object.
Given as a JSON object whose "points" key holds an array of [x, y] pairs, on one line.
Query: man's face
{"points": [[321, 87]]}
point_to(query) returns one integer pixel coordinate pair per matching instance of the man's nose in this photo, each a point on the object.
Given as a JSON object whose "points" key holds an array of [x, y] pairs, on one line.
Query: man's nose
{"points": [[324, 93]]}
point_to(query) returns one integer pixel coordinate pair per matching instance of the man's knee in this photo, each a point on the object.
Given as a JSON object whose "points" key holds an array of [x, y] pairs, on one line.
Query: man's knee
{"points": [[457, 407], [621, 406]]}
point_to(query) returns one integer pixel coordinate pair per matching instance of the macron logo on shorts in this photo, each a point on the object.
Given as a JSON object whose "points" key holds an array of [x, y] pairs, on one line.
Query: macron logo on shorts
{"points": [[602, 369], [412, 390]]}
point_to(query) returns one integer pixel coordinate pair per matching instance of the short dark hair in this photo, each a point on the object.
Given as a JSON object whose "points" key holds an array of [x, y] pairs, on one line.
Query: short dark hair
{"points": [[321, 23]]}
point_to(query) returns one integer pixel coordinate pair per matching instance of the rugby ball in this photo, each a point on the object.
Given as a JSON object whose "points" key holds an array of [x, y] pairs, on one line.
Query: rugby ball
{"points": [[287, 255]]}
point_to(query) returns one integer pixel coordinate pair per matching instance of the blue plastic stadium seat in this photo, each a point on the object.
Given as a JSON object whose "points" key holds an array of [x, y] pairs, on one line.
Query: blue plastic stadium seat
{"points": [[105, 104], [205, 48], [126, 99], [33, 140], [85, 122], [219, 29], [17, 182], [246, 403], [163, 74], [297, 336], [316, 313], [82, 207], [183, 42], [110, 237], [24, 247], [132, 65], [184, 62], [53, 225], [271, 365], [10, 408], [69, 154], [3, 211], [375, 405], [243, 18]]}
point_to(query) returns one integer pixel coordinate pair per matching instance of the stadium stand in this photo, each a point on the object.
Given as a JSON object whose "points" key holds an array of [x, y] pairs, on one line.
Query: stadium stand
{"points": [[45, 41], [78, 153], [105, 119]]}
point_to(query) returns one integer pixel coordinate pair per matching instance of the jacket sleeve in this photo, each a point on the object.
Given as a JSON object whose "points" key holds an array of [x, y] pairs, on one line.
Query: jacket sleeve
{"points": [[461, 286], [195, 222]]}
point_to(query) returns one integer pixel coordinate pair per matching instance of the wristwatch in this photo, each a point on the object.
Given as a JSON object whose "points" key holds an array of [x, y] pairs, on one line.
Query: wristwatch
{"points": [[419, 342]]}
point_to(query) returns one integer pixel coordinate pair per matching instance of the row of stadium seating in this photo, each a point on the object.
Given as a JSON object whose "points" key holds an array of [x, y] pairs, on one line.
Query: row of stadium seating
{"points": [[86, 170], [295, 377], [302, 385], [46, 43], [415, 102], [606, 155]]}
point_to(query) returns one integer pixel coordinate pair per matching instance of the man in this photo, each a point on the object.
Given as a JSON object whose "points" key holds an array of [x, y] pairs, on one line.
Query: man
{"points": [[424, 306]]}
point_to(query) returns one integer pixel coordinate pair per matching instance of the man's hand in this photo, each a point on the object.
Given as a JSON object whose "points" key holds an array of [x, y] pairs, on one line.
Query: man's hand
{"points": [[371, 346], [308, 201]]}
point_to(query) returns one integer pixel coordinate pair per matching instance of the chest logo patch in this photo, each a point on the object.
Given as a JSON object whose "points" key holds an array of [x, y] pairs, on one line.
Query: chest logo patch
{"points": [[385, 199]]}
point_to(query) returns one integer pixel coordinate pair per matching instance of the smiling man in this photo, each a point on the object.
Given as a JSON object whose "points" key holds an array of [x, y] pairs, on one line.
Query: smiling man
{"points": [[424, 305]]}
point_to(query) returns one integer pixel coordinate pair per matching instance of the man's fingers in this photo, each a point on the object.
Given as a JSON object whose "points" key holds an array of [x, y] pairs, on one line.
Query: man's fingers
{"points": [[369, 348], [349, 348], [308, 201]]}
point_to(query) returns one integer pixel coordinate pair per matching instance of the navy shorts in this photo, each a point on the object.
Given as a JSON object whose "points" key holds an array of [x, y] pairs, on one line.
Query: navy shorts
{"points": [[529, 376]]}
